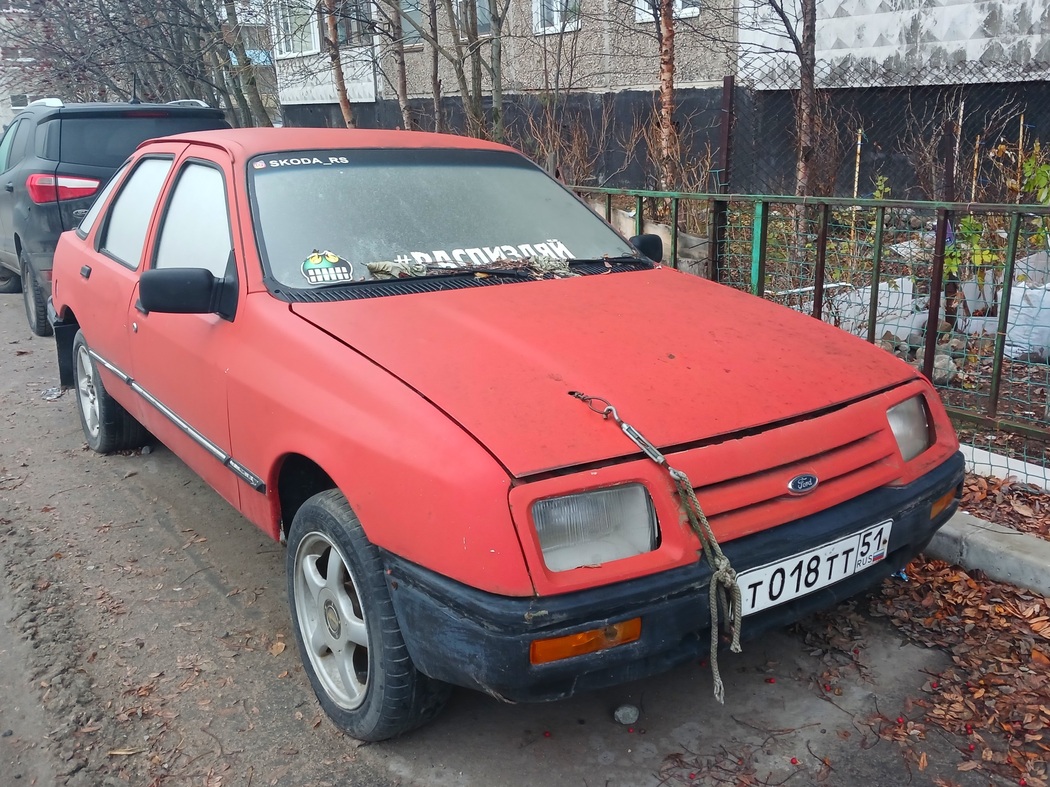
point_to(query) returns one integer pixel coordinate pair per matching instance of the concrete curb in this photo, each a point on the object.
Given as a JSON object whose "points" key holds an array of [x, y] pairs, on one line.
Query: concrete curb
{"points": [[1002, 553]]}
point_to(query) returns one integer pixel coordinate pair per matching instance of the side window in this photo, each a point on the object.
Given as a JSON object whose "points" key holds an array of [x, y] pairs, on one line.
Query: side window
{"points": [[96, 207], [5, 145], [125, 230], [20, 144], [196, 227]]}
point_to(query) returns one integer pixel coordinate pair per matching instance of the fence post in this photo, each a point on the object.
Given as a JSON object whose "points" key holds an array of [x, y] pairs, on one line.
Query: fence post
{"points": [[719, 216], [876, 273], [951, 280], [822, 255], [758, 249], [936, 279], [1004, 314]]}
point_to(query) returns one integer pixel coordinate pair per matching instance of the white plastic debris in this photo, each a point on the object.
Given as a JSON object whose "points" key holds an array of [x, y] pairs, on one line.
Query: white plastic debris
{"points": [[626, 714]]}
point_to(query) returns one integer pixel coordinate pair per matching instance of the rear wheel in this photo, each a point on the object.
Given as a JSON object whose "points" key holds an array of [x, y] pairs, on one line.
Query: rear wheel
{"points": [[107, 426], [346, 629], [9, 282], [36, 304]]}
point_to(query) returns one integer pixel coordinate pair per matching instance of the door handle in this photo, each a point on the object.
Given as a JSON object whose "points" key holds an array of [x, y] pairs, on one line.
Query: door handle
{"points": [[85, 271], [9, 187]]}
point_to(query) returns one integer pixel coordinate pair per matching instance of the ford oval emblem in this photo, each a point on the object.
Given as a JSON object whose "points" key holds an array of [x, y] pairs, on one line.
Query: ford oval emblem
{"points": [[803, 484]]}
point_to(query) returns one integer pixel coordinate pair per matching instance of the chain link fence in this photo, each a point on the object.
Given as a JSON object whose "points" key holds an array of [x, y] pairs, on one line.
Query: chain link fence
{"points": [[879, 132]]}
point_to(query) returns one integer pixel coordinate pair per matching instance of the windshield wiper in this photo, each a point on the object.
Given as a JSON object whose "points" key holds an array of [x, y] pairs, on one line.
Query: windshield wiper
{"points": [[514, 273]]}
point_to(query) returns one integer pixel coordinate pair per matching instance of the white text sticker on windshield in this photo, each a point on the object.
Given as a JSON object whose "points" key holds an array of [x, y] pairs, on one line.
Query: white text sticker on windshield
{"points": [[301, 161], [485, 255]]}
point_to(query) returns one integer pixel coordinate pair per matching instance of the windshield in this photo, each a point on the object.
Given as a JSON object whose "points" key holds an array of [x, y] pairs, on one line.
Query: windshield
{"points": [[336, 217]]}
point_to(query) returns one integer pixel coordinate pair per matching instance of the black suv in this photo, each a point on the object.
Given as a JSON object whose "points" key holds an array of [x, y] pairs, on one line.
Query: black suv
{"points": [[54, 157]]}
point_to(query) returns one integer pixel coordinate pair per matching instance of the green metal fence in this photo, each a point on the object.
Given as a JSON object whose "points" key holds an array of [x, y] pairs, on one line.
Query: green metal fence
{"points": [[927, 281]]}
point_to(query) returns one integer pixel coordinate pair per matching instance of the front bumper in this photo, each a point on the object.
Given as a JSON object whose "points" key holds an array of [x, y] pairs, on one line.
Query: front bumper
{"points": [[470, 638]]}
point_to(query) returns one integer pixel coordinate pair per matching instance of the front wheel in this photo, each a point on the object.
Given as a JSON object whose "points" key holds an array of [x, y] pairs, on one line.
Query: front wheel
{"points": [[346, 629]]}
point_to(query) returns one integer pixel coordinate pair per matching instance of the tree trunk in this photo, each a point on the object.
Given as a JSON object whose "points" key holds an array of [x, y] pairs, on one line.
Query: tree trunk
{"points": [[470, 32], [496, 12], [471, 103], [245, 73], [435, 79], [401, 80], [806, 97], [332, 42], [668, 146]]}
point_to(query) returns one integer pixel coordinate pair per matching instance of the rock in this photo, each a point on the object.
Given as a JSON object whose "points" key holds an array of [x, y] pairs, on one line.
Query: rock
{"points": [[885, 345], [627, 714], [914, 222], [944, 370]]}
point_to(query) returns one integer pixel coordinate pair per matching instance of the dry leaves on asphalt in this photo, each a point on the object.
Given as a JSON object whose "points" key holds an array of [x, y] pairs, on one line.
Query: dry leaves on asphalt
{"points": [[996, 695], [1008, 502]]}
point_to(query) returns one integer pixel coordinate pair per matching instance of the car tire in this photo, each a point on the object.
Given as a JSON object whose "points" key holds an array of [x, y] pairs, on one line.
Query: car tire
{"points": [[107, 425], [346, 629], [10, 282], [36, 305]]}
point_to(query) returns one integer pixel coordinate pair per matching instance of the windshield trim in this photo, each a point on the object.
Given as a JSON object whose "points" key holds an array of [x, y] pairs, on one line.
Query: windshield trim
{"points": [[454, 281]]}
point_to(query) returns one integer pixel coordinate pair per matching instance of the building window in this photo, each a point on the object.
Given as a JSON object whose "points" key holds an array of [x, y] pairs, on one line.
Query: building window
{"points": [[297, 31], [649, 10], [555, 16], [354, 22], [411, 11], [481, 7]]}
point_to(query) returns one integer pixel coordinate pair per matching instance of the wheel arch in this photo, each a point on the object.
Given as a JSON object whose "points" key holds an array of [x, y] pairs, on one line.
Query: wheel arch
{"points": [[298, 478]]}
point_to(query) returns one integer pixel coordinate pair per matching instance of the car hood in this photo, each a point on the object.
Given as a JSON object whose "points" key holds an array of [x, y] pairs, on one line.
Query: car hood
{"points": [[682, 360]]}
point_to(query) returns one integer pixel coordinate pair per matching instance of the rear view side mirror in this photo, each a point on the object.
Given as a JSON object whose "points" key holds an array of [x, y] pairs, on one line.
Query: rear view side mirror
{"points": [[652, 246], [187, 291], [177, 290]]}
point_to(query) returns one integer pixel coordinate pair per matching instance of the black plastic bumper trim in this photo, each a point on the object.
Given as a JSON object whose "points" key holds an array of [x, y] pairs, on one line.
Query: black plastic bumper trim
{"points": [[471, 638]]}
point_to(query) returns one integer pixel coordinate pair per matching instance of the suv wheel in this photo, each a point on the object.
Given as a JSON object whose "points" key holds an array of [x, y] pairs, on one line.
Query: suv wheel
{"points": [[36, 307], [9, 281]]}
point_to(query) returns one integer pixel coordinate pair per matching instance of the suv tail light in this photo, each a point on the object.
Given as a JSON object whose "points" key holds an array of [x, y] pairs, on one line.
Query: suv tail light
{"points": [[55, 188]]}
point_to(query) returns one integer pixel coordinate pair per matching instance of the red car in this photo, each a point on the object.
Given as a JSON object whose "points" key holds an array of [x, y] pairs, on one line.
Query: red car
{"points": [[477, 415]]}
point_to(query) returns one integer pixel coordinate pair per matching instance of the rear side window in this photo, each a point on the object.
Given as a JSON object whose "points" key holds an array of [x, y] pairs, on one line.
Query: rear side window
{"points": [[107, 141], [20, 144], [100, 200], [5, 146], [125, 231]]}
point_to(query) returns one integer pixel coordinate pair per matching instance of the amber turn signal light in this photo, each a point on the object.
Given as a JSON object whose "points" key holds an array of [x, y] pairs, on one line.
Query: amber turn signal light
{"points": [[942, 503], [543, 651]]}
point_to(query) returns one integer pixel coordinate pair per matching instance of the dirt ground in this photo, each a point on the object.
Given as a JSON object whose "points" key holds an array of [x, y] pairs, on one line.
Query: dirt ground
{"points": [[146, 641]]}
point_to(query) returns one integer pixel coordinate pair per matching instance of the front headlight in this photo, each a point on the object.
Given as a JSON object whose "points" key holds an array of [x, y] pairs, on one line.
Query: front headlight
{"points": [[592, 528], [911, 427]]}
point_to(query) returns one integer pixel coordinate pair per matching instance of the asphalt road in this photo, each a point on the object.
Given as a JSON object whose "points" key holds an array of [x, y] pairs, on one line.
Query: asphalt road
{"points": [[146, 641]]}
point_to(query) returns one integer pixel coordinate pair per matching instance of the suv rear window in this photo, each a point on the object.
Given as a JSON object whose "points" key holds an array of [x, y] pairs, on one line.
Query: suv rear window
{"points": [[107, 141]]}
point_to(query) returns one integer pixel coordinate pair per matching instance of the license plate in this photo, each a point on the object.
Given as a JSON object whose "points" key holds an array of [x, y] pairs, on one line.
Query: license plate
{"points": [[806, 572]]}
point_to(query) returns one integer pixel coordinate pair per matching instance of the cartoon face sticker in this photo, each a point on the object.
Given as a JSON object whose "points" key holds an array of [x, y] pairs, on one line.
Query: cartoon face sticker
{"points": [[324, 267]]}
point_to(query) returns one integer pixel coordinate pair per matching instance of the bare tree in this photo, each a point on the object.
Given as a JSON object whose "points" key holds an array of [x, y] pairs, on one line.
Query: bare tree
{"points": [[158, 51], [332, 43]]}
